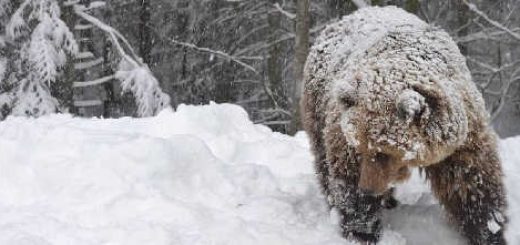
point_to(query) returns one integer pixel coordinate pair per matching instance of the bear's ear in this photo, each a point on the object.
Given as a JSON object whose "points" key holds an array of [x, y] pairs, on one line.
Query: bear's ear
{"points": [[410, 105], [420, 101], [433, 95]]}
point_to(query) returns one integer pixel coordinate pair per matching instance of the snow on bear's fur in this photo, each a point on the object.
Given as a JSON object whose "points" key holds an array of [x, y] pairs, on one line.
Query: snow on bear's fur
{"points": [[385, 92]]}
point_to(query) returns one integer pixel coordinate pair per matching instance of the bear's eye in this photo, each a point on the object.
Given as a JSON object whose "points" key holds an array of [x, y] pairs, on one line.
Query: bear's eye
{"points": [[401, 113], [347, 101], [381, 158]]}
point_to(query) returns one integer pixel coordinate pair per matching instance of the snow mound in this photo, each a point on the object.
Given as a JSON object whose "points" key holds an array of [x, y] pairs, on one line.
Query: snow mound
{"points": [[201, 175]]}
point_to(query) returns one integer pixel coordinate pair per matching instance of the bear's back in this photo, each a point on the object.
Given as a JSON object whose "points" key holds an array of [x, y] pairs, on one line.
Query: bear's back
{"points": [[342, 41], [362, 39]]}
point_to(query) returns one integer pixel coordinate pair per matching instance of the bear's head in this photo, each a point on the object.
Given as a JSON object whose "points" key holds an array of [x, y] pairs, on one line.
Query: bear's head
{"points": [[396, 121]]}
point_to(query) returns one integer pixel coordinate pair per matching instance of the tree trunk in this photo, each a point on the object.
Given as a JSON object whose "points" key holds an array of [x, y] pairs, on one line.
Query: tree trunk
{"points": [[145, 37], [301, 50], [88, 100], [274, 63], [463, 16], [62, 90]]}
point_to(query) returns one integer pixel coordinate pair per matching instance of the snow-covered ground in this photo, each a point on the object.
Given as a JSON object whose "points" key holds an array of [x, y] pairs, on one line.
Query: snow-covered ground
{"points": [[201, 175]]}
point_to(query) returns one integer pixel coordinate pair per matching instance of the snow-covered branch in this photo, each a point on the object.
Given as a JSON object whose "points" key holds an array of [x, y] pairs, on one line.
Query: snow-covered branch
{"points": [[281, 10], [113, 33], [134, 75]]}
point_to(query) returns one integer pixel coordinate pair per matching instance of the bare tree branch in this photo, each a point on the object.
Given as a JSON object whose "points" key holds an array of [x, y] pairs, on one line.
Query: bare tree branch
{"points": [[281, 10], [477, 11], [226, 56], [505, 89], [215, 52], [483, 35]]}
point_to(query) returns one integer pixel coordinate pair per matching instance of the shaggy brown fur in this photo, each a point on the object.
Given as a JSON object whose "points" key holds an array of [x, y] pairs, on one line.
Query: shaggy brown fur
{"points": [[469, 185], [406, 101]]}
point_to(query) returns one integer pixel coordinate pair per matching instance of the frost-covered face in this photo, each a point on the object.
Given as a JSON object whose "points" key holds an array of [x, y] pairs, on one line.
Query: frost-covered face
{"points": [[395, 125]]}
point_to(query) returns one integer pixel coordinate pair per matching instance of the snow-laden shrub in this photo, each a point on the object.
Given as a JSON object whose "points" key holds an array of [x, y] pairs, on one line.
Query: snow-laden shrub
{"points": [[41, 44], [135, 76], [139, 80], [44, 41]]}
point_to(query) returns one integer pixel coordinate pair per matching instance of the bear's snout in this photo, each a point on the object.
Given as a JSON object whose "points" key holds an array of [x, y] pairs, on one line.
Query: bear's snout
{"points": [[373, 180], [377, 173]]}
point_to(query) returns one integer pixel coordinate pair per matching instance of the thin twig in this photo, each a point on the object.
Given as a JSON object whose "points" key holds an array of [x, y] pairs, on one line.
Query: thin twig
{"points": [[503, 98], [477, 11], [291, 16], [215, 52]]}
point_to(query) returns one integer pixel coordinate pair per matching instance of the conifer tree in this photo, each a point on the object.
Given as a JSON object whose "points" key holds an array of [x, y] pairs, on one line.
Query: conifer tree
{"points": [[38, 44]]}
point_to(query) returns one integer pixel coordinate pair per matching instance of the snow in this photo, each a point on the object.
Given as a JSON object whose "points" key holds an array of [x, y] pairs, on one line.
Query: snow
{"points": [[200, 175], [493, 226]]}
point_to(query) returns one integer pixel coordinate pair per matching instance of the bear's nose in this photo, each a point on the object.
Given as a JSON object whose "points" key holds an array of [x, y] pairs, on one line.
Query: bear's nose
{"points": [[381, 158], [367, 192]]}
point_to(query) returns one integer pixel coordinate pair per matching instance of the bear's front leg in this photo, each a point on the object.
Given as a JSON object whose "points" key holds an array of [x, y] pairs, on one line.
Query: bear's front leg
{"points": [[359, 212], [469, 186]]}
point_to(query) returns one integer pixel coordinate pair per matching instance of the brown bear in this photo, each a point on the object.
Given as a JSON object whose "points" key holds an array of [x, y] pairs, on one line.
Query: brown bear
{"points": [[385, 92]]}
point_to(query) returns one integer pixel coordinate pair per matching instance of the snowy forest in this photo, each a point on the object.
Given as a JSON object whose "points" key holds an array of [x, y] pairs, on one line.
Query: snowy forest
{"points": [[133, 58], [178, 122]]}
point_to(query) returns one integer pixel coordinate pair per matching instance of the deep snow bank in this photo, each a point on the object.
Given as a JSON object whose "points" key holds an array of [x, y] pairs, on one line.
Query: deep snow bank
{"points": [[201, 175]]}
